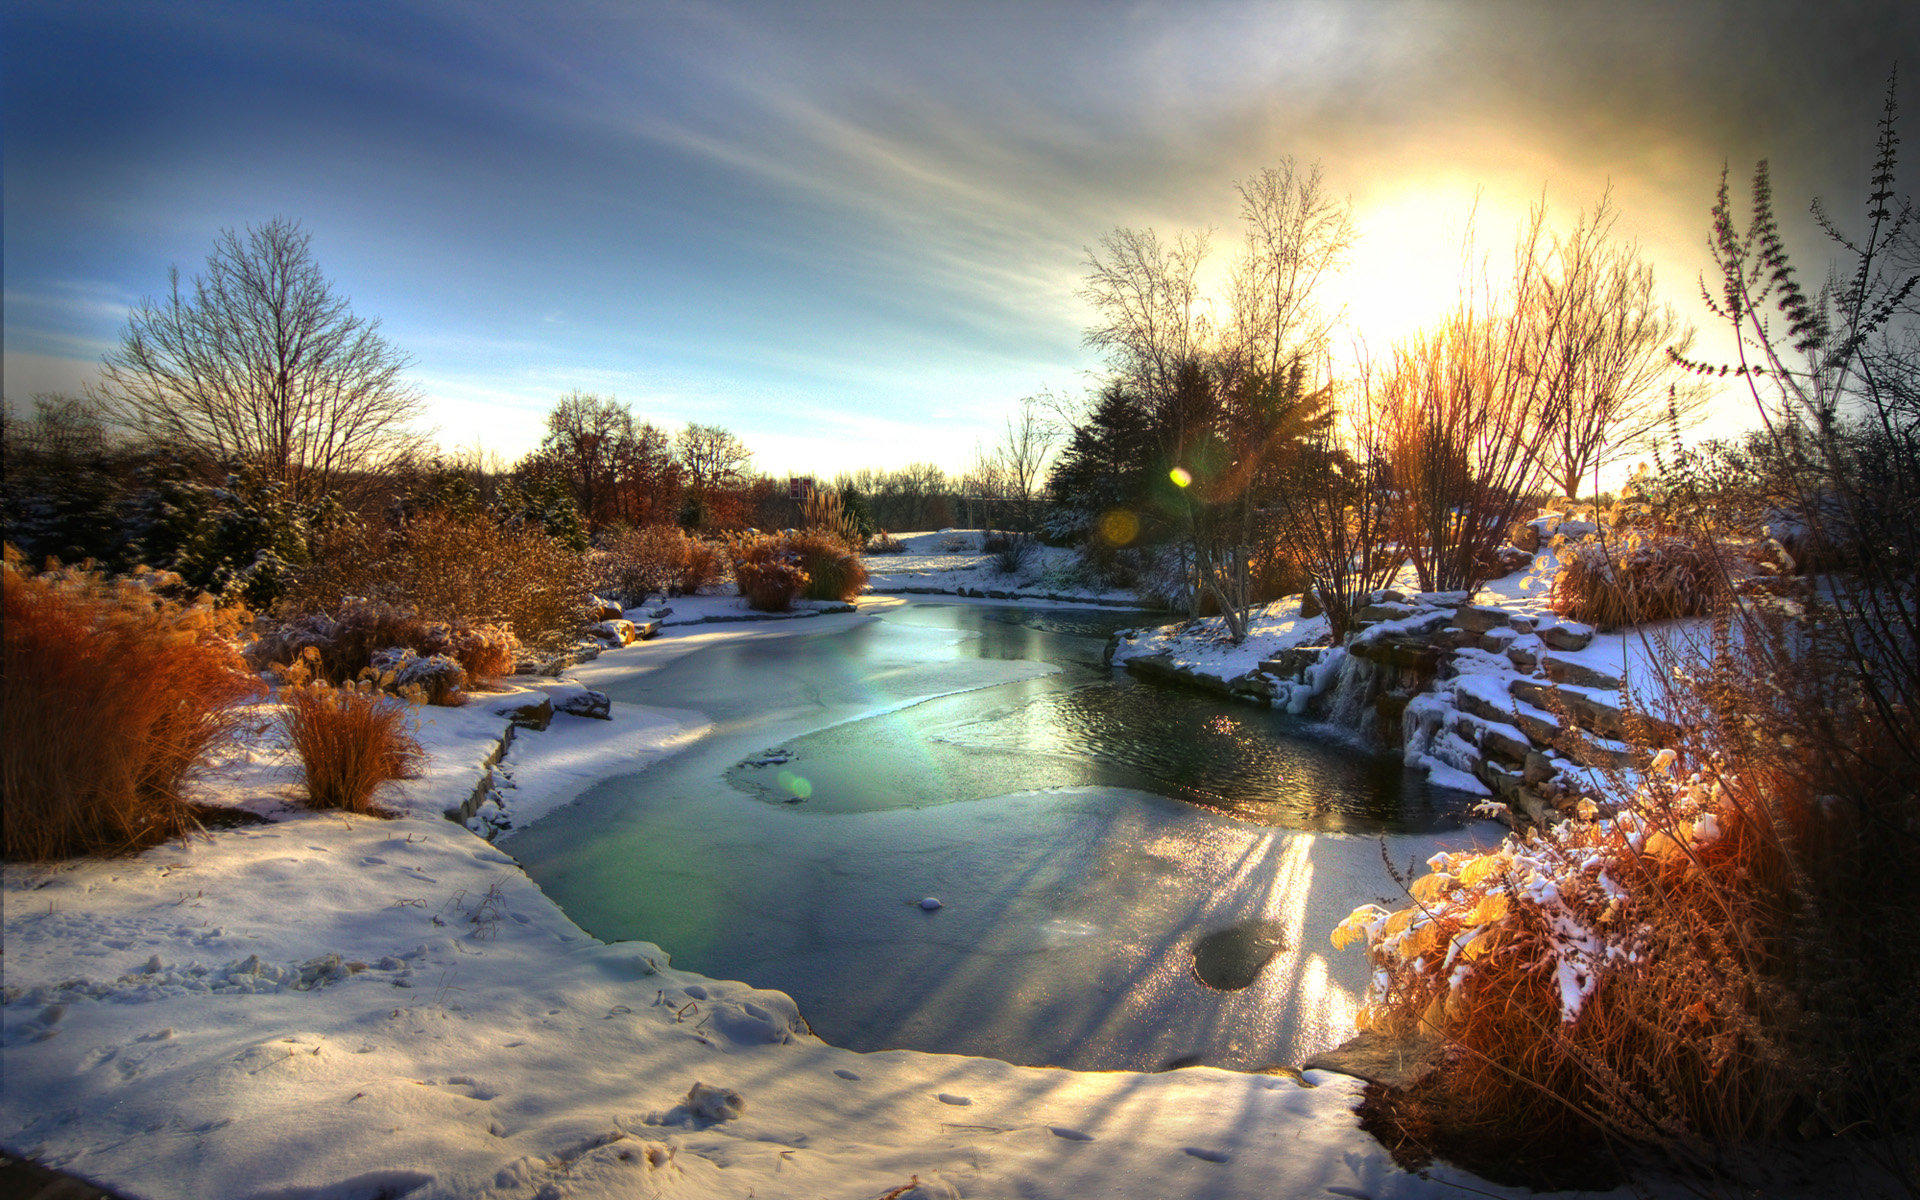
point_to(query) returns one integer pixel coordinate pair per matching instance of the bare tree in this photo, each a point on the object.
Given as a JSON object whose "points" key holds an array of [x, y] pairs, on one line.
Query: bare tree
{"points": [[1296, 235], [260, 361], [1468, 409], [712, 457], [1009, 471], [1612, 355], [1147, 304]]}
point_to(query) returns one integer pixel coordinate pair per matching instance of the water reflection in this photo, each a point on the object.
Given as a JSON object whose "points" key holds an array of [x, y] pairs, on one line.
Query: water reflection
{"points": [[1087, 726]]}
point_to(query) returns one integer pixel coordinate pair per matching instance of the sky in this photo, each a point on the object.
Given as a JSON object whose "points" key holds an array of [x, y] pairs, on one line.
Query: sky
{"points": [[854, 233]]}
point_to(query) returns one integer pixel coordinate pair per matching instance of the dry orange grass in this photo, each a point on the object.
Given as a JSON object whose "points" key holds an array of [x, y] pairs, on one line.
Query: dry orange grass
{"points": [[113, 696], [350, 741], [767, 571], [1618, 981], [1641, 577], [834, 571]]}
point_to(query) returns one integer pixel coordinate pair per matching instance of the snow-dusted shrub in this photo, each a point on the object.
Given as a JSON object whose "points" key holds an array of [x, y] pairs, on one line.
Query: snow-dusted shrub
{"points": [[1611, 583], [885, 543], [349, 740], [767, 570], [1617, 973], [341, 649], [648, 561], [455, 570], [113, 695], [421, 679], [705, 564]]}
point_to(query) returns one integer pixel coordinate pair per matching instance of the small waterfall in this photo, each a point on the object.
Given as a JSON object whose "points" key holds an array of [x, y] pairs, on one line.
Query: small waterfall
{"points": [[1350, 694]]}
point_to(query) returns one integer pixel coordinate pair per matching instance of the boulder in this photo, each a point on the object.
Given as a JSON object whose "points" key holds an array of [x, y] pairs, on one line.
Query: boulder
{"points": [[527, 712], [1478, 619], [1566, 670], [602, 609], [1310, 604], [581, 701], [1567, 635], [614, 633], [1292, 664]]}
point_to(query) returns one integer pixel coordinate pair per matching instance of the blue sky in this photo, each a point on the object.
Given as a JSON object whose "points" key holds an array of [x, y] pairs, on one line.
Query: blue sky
{"points": [[851, 233]]}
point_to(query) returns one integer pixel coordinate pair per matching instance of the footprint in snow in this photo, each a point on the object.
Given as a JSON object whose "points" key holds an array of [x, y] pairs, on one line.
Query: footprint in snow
{"points": [[1071, 1135], [1205, 1155], [843, 1073], [950, 1098]]}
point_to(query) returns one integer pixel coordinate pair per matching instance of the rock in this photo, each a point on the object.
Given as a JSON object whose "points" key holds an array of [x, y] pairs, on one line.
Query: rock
{"points": [[1603, 719], [1512, 558], [646, 629], [614, 633], [527, 712], [1524, 655], [1526, 537], [931, 904], [1293, 664], [1567, 635], [706, 1103], [1378, 611], [583, 702], [1565, 670], [1310, 604], [603, 609], [1478, 619], [1402, 653], [1253, 684]]}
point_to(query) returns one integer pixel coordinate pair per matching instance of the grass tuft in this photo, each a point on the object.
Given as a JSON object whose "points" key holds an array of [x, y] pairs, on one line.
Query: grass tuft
{"points": [[113, 696], [350, 741]]}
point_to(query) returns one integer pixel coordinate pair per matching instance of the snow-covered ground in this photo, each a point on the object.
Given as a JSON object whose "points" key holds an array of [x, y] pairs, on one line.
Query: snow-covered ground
{"points": [[341, 1008], [951, 561]]}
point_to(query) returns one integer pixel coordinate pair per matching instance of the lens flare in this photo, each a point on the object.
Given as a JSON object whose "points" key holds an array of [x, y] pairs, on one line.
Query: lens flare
{"points": [[1119, 527], [1181, 476], [797, 785]]}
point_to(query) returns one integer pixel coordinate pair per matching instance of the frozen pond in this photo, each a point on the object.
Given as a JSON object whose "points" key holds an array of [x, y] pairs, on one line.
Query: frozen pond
{"points": [[1130, 876]]}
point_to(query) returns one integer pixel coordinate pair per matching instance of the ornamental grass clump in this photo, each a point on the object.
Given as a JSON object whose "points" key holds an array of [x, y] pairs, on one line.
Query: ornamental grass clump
{"points": [[767, 570], [350, 741], [1640, 576], [114, 695], [834, 570], [1616, 975]]}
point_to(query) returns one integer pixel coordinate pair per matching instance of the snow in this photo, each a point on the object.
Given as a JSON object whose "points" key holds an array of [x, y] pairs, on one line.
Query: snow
{"points": [[332, 1006], [951, 560], [1203, 646]]}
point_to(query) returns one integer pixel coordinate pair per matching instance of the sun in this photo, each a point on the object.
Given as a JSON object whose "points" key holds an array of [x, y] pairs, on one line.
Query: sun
{"points": [[1406, 268]]}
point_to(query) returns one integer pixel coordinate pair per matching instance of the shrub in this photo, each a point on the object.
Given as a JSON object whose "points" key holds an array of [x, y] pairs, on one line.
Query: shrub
{"points": [[349, 741], [833, 571], [343, 649], [1012, 555], [705, 563], [1643, 577], [885, 543], [651, 560], [113, 696], [464, 572], [767, 571]]}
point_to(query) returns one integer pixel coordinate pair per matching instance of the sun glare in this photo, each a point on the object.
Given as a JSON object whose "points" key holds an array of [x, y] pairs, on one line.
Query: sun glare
{"points": [[1404, 271]]}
